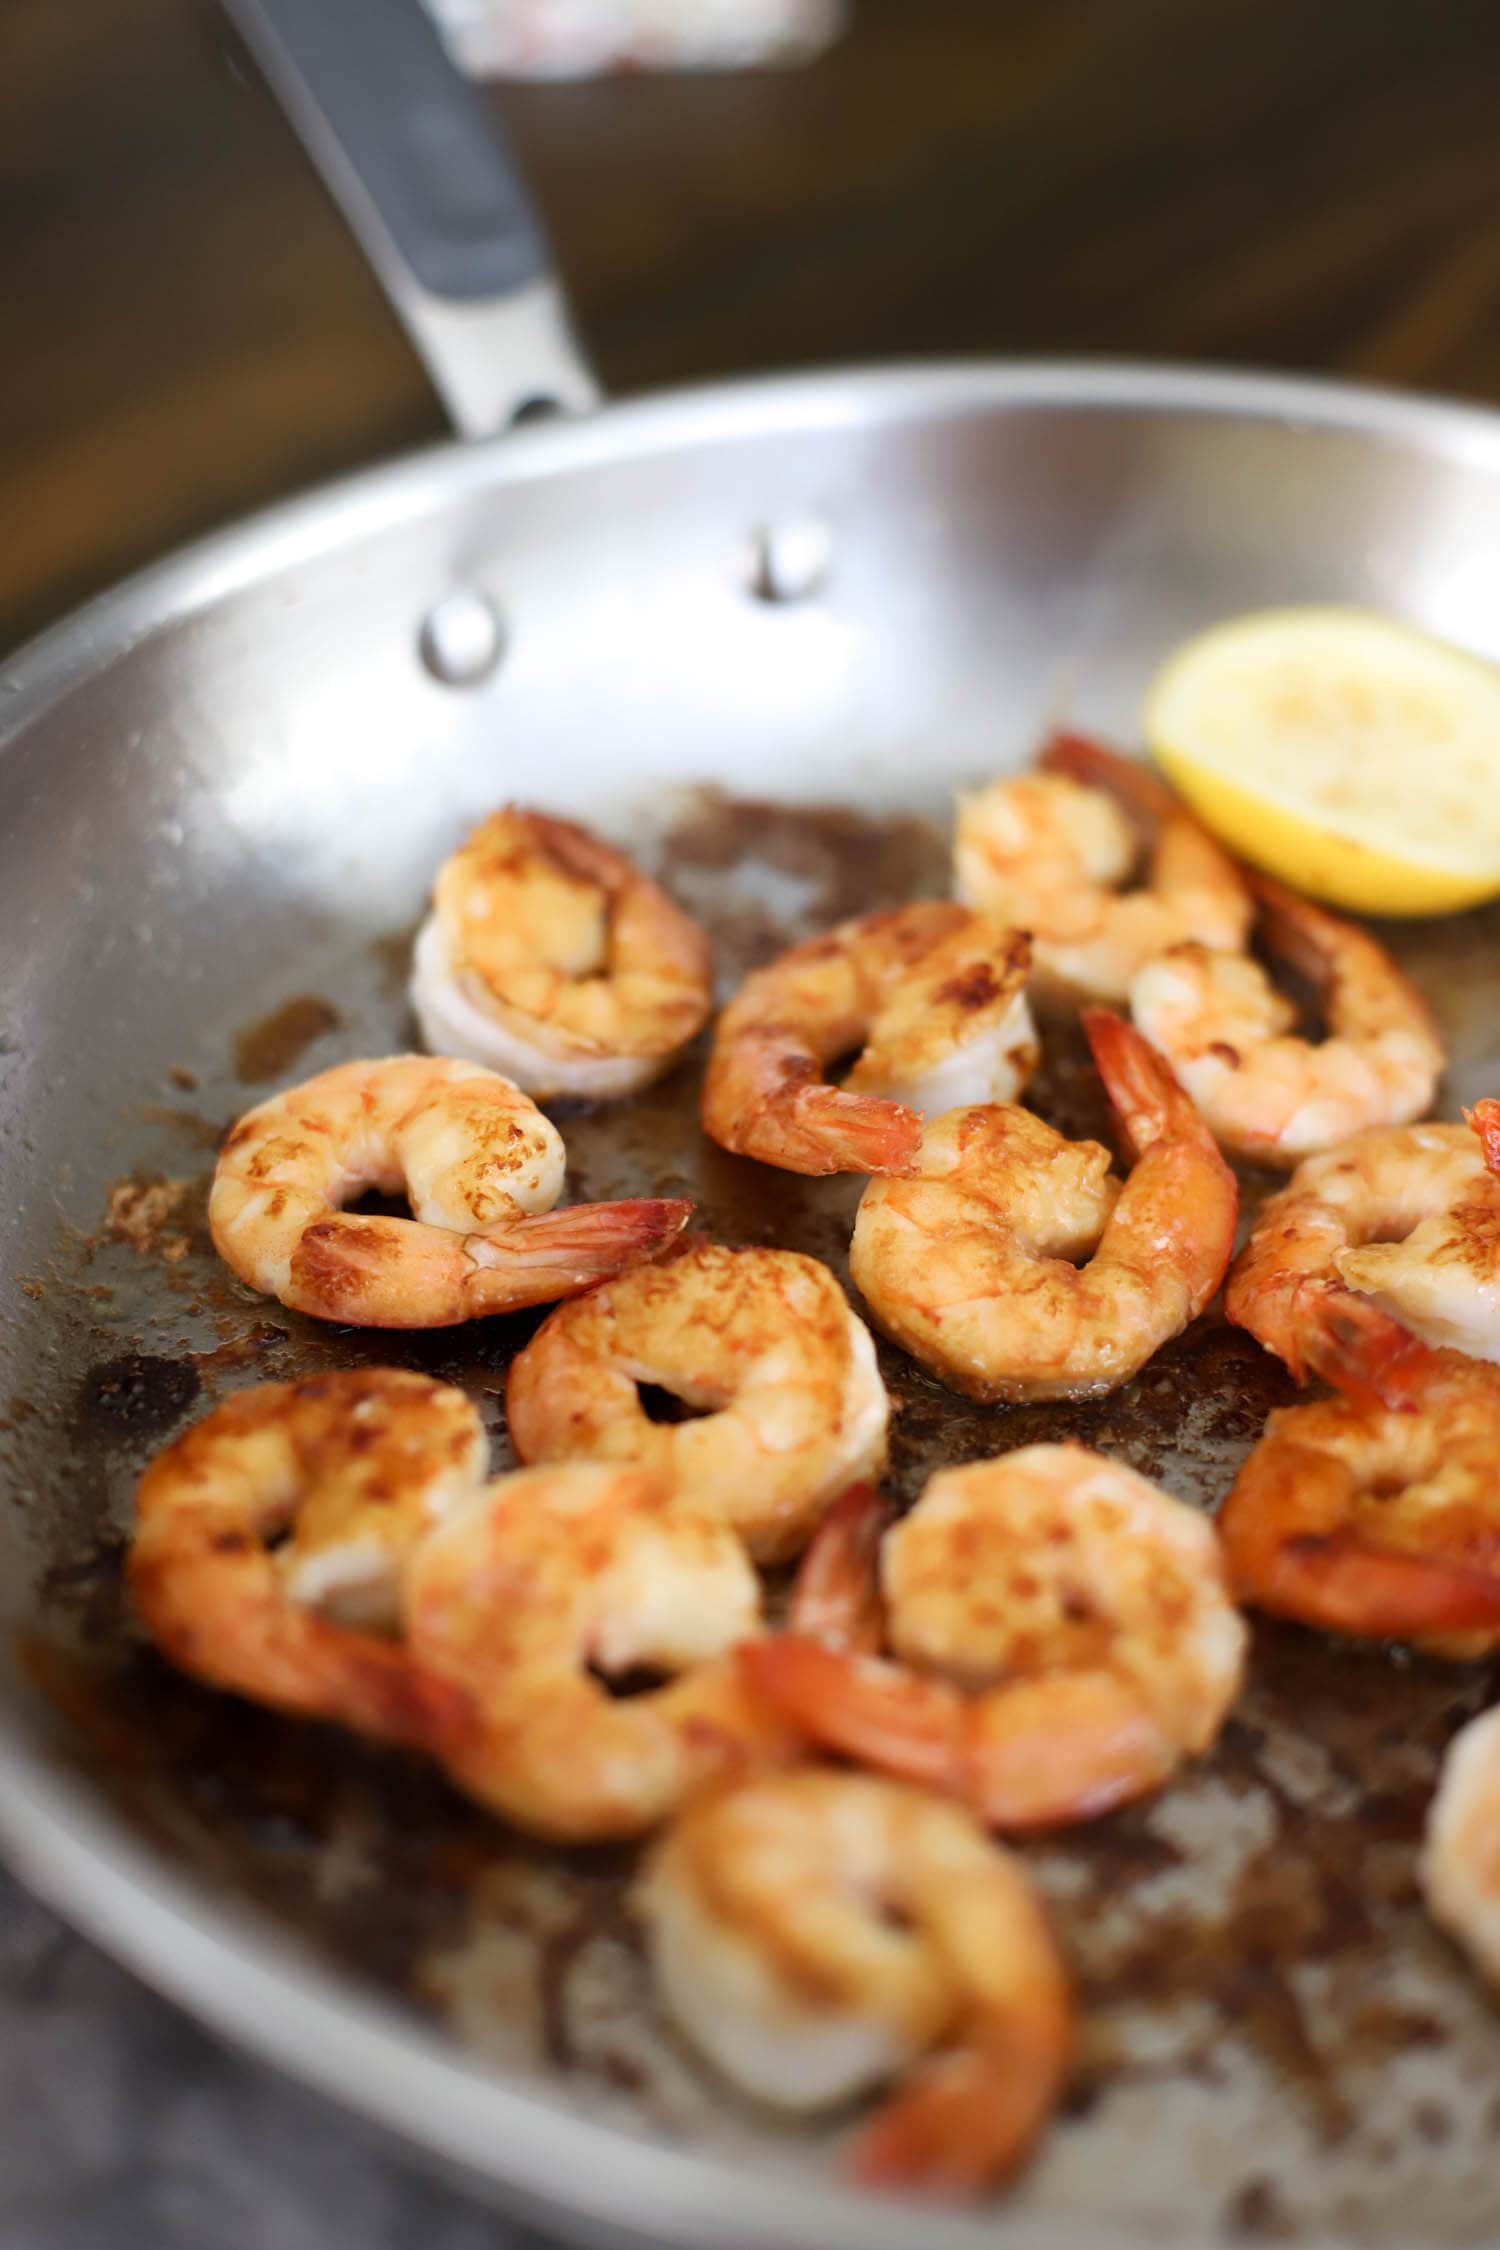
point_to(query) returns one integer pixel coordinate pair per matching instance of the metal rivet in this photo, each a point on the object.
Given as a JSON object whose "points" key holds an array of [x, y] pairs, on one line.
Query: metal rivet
{"points": [[461, 638], [789, 561]]}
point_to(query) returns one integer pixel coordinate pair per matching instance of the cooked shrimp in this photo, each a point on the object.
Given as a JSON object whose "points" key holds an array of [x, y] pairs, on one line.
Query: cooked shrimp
{"points": [[1370, 1520], [761, 1342], [816, 1934], [1224, 1028], [934, 997], [518, 1611], [1061, 1630], [481, 1165], [1013, 1264], [349, 1470], [550, 957], [1407, 1216], [1460, 1864], [1050, 851]]}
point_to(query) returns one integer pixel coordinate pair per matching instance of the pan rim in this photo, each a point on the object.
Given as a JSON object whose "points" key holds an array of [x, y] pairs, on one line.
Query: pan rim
{"points": [[221, 1962]]}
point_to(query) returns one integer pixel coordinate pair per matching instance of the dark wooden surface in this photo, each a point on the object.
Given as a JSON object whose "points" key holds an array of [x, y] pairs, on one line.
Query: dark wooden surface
{"points": [[188, 330]]}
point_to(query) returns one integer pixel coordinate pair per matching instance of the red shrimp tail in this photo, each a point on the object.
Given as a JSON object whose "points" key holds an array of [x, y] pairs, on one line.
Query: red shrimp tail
{"points": [[1307, 937], [965, 2121], [1146, 1098], [855, 1133], [557, 1254], [873, 1712], [1362, 1351], [1082, 758], [1484, 1117], [1339, 1582], [836, 1598]]}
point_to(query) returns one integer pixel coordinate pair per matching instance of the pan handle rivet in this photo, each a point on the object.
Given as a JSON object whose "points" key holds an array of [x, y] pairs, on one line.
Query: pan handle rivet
{"points": [[789, 561], [461, 638]]}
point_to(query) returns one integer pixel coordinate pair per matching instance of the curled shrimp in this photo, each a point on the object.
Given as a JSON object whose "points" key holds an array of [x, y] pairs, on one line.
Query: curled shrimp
{"points": [[932, 995], [1051, 850], [349, 1471], [1372, 1520], [1405, 1216], [1460, 1864], [481, 1165], [1061, 1632], [550, 957], [762, 1343], [818, 1934], [1225, 1030], [1013, 1264], [519, 1610]]}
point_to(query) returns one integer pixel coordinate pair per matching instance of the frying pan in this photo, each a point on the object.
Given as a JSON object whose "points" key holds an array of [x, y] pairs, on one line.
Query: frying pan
{"points": [[759, 631]]}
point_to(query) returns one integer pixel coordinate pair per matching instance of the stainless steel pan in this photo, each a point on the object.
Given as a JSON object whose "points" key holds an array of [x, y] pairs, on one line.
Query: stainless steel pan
{"points": [[222, 793]]}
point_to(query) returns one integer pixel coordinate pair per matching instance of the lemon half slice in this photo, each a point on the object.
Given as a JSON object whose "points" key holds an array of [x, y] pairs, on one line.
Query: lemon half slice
{"points": [[1342, 751]]}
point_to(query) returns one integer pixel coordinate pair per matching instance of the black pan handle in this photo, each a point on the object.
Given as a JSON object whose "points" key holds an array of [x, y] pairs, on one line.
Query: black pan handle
{"points": [[419, 165]]}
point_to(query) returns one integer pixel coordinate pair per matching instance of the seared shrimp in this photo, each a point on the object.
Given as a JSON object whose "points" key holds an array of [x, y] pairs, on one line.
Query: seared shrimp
{"points": [[1460, 1865], [350, 1471], [932, 995], [550, 957], [1373, 1521], [1050, 851], [517, 1611], [482, 1168], [1013, 1264], [762, 1343], [1225, 1030], [1407, 1216], [1062, 1634], [817, 1934]]}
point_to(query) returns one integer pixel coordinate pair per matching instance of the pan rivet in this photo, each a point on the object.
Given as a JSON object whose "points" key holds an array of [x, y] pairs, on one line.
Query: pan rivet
{"points": [[461, 638], [788, 561]]}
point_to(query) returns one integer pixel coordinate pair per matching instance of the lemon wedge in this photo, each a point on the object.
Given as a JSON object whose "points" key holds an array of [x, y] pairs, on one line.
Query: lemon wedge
{"points": [[1343, 751]]}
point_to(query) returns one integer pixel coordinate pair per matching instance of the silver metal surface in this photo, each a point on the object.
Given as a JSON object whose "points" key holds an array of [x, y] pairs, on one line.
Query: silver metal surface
{"points": [[228, 784]]}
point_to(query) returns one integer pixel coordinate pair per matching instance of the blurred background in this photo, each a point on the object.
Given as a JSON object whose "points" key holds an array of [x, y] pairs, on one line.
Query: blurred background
{"points": [[191, 332]]}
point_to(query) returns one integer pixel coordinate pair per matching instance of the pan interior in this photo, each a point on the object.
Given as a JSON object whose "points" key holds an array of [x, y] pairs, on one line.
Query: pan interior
{"points": [[217, 826]]}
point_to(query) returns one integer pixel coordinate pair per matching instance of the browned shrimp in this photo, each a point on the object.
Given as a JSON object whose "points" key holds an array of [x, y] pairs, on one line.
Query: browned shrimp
{"points": [[1014, 1265], [1062, 1632], [481, 1165], [933, 995], [349, 1471], [560, 1578], [817, 1934], [1370, 1520]]}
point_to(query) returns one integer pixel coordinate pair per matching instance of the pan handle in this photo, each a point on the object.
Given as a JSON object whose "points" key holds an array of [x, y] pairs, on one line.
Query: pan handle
{"points": [[420, 168]]}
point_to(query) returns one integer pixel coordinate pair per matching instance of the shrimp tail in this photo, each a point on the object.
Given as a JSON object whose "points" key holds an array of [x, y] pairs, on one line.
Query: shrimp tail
{"points": [[1337, 1581], [841, 1132], [1307, 937], [1081, 758], [867, 1709], [963, 2122], [836, 1598], [1147, 1100], [1485, 1119], [1363, 1352], [557, 1253]]}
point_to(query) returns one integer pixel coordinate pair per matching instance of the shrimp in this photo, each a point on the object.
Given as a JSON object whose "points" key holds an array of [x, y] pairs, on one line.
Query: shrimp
{"points": [[977, 1265], [1460, 1864], [481, 1165], [934, 997], [817, 1934], [1225, 1030], [520, 1609], [550, 957], [762, 1343], [350, 1470], [1370, 1520], [1050, 851], [1061, 1631], [1407, 1217]]}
